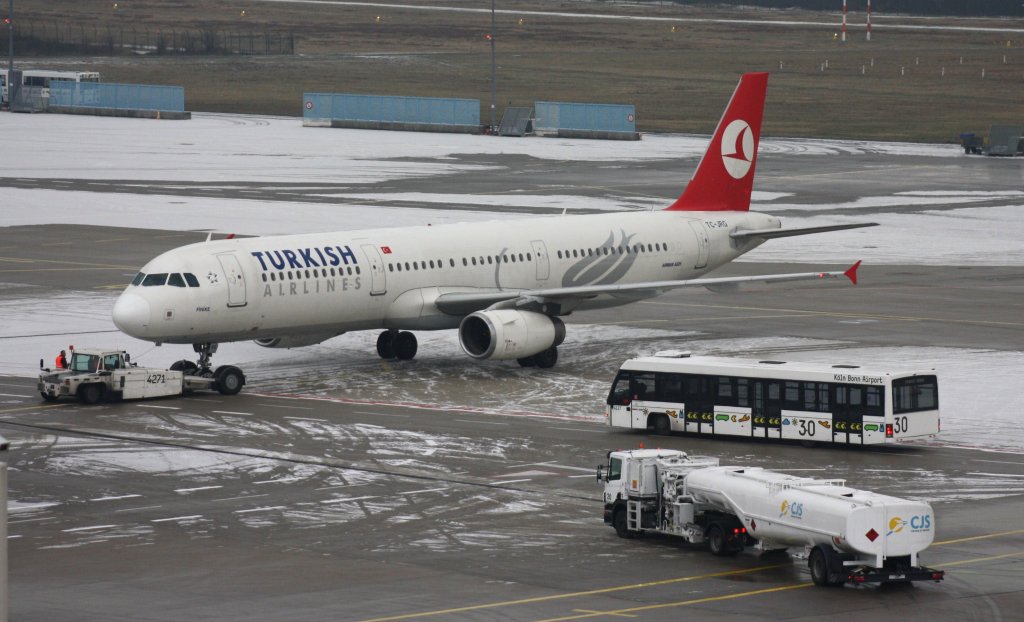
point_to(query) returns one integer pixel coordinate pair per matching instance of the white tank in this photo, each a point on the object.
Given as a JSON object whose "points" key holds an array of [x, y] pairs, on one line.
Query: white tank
{"points": [[783, 510]]}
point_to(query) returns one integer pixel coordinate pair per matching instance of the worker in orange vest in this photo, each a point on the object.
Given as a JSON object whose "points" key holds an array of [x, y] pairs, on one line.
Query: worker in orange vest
{"points": [[62, 360]]}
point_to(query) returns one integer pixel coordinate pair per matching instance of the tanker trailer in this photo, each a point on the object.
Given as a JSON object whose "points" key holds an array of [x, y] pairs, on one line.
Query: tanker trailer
{"points": [[847, 535]]}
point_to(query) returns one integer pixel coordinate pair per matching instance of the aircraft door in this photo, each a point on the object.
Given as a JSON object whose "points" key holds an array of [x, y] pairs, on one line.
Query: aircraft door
{"points": [[703, 243], [235, 278], [378, 276], [540, 258]]}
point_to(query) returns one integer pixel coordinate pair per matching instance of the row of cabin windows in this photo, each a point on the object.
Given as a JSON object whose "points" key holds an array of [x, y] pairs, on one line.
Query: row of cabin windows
{"points": [[410, 266], [613, 250], [700, 391], [163, 278], [315, 273]]}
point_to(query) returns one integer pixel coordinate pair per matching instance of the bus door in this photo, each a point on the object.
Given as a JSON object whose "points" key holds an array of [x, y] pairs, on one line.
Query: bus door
{"points": [[620, 402], [699, 402], [767, 408], [848, 413]]}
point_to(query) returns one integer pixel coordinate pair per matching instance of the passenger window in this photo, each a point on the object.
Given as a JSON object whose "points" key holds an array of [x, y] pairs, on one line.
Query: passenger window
{"points": [[153, 280]]}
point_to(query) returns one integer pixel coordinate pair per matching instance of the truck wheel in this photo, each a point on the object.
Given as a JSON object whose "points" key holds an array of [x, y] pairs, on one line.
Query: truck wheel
{"points": [[229, 380], [662, 427], [717, 543], [90, 393], [820, 564], [619, 522], [48, 397], [185, 366]]}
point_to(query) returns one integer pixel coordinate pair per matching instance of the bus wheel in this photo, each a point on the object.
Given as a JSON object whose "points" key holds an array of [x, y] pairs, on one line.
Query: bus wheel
{"points": [[662, 427]]}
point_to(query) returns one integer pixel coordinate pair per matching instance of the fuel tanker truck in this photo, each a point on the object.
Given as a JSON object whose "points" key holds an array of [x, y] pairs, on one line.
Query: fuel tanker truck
{"points": [[847, 535]]}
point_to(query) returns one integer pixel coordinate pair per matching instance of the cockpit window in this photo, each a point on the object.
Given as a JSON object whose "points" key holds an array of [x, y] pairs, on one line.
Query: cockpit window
{"points": [[155, 279], [138, 278], [191, 280], [176, 280]]}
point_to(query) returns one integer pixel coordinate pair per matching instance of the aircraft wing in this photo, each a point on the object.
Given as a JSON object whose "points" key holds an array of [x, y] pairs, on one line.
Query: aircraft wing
{"points": [[464, 303], [768, 234]]}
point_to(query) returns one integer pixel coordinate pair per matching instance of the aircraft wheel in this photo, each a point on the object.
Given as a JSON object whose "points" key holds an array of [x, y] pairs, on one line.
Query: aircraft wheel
{"points": [[528, 361], [547, 358], [405, 345], [229, 380], [386, 345]]}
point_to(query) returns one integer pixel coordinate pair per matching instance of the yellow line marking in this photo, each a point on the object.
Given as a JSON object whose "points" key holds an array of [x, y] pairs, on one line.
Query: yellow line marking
{"points": [[982, 559], [682, 603], [63, 263], [36, 407], [982, 537], [540, 599], [604, 613]]}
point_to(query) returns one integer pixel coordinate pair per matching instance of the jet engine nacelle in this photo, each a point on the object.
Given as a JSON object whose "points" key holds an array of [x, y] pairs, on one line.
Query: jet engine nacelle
{"points": [[294, 341], [509, 334]]}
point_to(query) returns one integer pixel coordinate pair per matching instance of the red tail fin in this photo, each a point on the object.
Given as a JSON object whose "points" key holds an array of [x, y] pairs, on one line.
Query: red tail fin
{"points": [[725, 175]]}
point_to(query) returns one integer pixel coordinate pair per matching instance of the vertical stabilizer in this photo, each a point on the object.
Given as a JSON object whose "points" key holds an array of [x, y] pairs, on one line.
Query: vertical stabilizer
{"points": [[725, 175]]}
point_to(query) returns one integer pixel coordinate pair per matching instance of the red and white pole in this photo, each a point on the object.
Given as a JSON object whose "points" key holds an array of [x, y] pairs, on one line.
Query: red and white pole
{"points": [[844, 22], [869, 20]]}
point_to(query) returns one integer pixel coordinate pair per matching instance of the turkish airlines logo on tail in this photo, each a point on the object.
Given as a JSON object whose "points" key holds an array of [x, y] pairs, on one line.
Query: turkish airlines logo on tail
{"points": [[737, 148]]}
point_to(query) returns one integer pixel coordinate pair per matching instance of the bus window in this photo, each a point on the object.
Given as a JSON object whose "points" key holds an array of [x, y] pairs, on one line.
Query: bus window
{"points": [[743, 392], [873, 402], [726, 391], [669, 387], [791, 395], [620, 390], [643, 386], [915, 394]]}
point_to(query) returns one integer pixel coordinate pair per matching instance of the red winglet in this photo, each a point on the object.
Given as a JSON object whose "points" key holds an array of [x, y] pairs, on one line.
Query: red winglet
{"points": [[851, 272]]}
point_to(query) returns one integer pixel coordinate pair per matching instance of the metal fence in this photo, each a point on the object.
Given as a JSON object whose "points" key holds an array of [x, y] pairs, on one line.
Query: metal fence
{"points": [[390, 109], [554, 116], [117, 96], [54, 38]]}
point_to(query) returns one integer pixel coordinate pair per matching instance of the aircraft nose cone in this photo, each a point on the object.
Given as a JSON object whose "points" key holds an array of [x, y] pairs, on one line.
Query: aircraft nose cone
{"points": [[131, 315]]}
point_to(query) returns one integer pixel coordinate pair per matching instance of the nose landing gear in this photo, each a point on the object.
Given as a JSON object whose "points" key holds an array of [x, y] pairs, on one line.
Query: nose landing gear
{"points": [[228, 379]]}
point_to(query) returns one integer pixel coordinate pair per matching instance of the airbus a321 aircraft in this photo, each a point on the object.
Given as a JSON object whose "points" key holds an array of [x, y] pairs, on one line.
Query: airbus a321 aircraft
{"points": [[503, 284]]}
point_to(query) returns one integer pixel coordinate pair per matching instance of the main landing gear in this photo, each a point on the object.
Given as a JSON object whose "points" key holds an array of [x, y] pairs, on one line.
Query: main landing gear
{"points": [[392, 344], [228, 379], [544, 360]]}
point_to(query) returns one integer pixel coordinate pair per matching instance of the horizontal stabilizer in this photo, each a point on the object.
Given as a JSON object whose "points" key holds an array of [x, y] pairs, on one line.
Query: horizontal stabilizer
{"points": [[769, 234]]}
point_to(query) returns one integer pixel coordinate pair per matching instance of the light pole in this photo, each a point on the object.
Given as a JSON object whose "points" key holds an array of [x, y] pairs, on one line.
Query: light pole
{"points": [[10, 38], [494, 70]]}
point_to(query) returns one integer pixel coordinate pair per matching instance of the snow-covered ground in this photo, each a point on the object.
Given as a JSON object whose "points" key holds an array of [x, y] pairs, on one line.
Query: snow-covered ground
{"points": [[981, 403]]}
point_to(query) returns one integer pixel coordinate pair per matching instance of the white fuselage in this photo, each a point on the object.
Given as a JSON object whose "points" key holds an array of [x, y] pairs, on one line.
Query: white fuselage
{"points": [[323, 284]]}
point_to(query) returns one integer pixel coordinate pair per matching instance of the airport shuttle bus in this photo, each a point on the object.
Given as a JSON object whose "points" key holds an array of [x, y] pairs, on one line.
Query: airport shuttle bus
{"points": [[717, 396], [41, 78]]}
